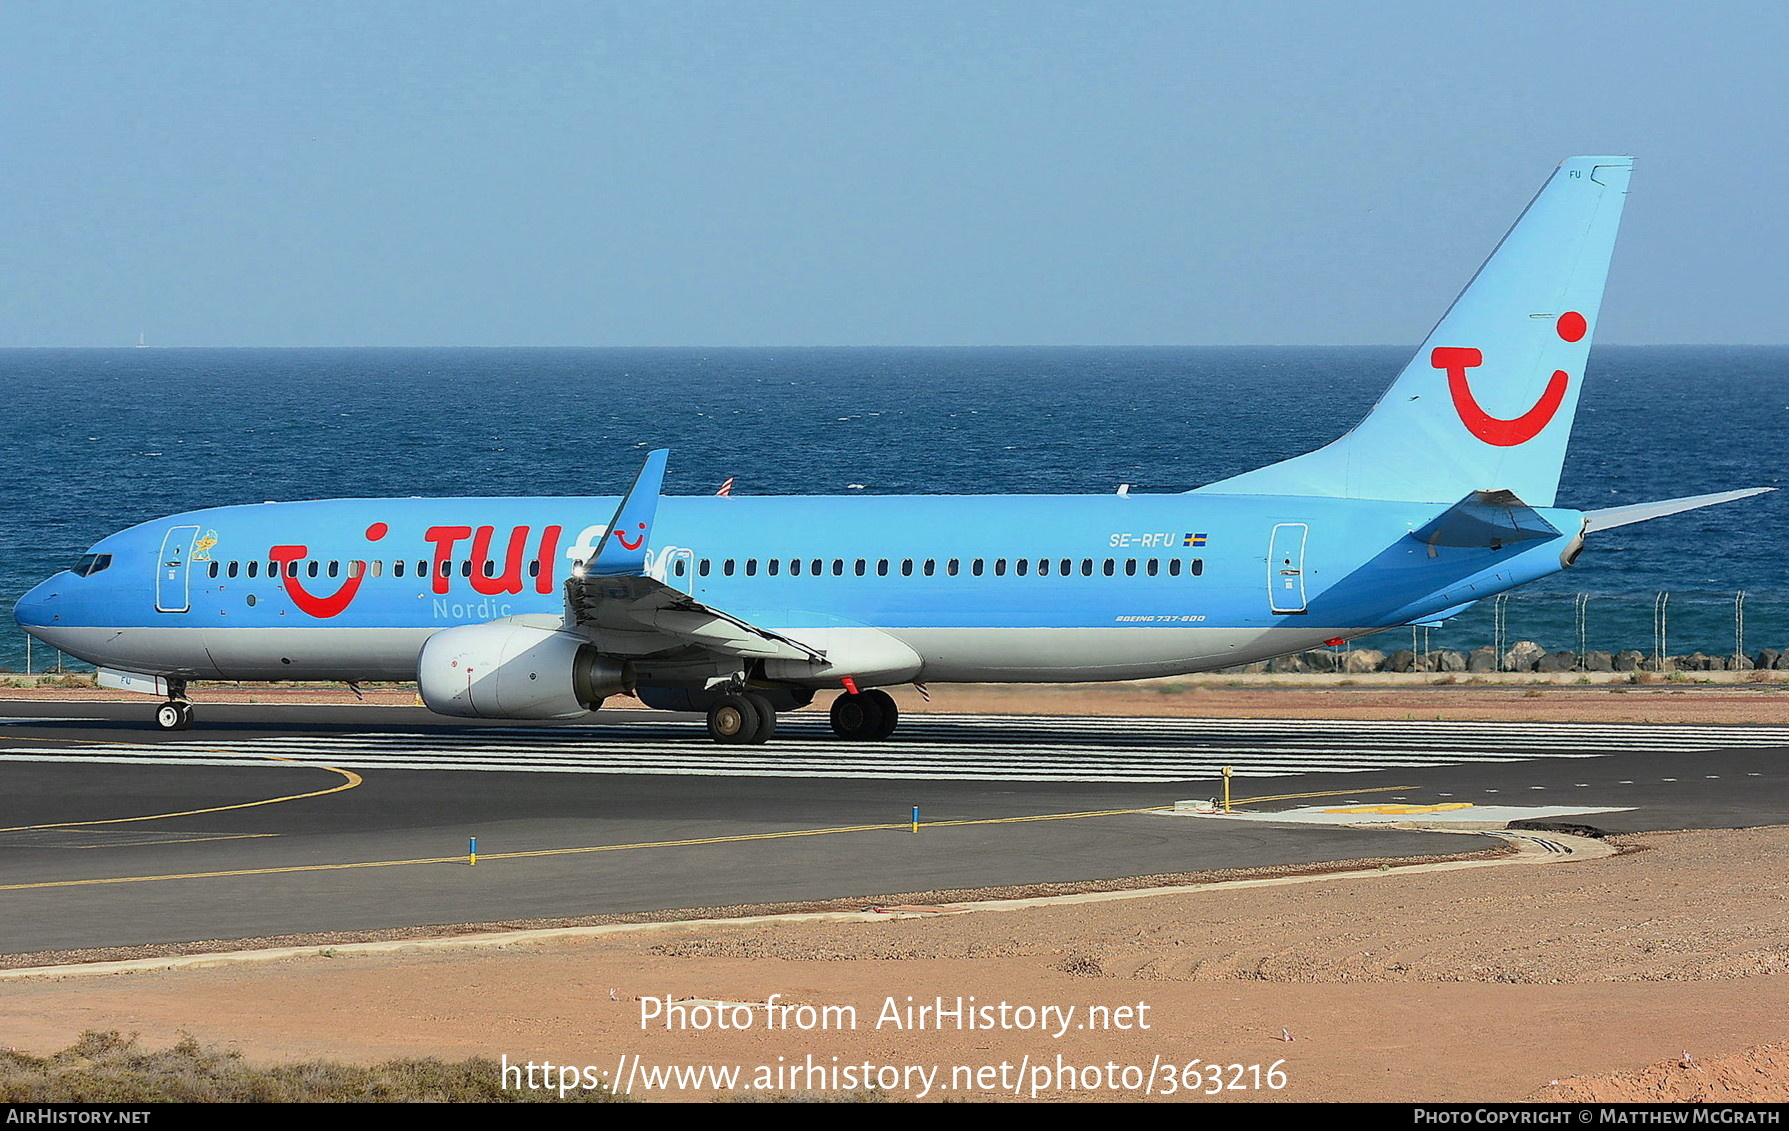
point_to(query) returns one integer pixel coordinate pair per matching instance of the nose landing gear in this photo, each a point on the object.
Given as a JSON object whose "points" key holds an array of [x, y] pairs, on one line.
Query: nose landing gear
{"points": [[175, 714]]}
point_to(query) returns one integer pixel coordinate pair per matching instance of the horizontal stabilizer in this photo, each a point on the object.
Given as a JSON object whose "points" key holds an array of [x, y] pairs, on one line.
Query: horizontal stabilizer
{"points": [[1610, 517], [1486, 520]]}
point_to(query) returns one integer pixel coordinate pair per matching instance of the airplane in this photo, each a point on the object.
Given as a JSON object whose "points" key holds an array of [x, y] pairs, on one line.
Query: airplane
{"points": [[743, 607]]}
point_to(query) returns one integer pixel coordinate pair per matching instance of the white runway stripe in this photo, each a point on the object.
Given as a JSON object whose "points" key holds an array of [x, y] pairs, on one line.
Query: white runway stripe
{"points": [[1010, 748]]}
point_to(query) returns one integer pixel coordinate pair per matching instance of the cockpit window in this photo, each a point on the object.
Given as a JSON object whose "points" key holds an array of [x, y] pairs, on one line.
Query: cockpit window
{"points": [[91, 564]]}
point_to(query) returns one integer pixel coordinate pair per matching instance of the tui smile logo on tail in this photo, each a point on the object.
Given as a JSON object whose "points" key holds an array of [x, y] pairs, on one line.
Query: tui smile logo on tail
{"points": [[1570, 327]]}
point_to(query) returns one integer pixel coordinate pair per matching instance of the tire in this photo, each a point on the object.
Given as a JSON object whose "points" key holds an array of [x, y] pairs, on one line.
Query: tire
{"points": [[733, 720], [174, 715], [766, 718], [890, 715], [858, 716]]}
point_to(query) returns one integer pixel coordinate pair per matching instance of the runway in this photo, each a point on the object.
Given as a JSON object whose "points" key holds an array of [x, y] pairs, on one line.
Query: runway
{"points": [[932, 747], [264, 821]]}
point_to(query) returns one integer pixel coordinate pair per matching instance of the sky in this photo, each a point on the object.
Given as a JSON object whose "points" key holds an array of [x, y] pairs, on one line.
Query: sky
{"points": [[683, 172]]}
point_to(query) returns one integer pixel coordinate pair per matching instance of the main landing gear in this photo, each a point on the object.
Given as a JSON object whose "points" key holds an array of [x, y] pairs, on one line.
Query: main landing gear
{"points": [[175, 714], [868, 715], [741, 718]]}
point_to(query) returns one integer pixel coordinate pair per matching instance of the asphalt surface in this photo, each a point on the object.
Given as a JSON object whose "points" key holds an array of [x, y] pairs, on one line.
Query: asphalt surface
{"points": [[263, 821]]}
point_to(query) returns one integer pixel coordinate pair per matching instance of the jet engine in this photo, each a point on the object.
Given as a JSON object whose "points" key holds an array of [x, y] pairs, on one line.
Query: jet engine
{"points": [[515, 671]]}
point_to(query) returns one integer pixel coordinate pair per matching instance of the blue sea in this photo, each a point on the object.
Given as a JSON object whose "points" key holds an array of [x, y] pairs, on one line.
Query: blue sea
{"points": [[97, 440]]}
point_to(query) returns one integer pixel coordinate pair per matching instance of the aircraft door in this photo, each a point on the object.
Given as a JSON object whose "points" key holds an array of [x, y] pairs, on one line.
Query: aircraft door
{"points": [[171, 570], [1285, 568]]}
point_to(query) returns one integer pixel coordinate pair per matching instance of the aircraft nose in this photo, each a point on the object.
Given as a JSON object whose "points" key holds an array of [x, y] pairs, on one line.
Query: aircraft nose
{"points": [[36, 608]]}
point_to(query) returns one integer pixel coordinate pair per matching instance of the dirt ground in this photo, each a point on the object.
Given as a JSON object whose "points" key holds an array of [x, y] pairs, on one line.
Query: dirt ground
{"points": [[1658, 974]]}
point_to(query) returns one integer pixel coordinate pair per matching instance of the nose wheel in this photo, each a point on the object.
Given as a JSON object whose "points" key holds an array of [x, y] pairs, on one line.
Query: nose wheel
{"points": [[175, 714]]}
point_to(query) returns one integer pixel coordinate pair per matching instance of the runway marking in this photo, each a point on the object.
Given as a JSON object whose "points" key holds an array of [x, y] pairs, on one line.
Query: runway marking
{"points": [[940, 747], [585, 850], [353, 780]]}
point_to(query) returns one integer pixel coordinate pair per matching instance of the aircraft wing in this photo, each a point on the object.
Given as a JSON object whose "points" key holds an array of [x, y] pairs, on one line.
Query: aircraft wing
{"points": [[641, 615], [628, 612]]}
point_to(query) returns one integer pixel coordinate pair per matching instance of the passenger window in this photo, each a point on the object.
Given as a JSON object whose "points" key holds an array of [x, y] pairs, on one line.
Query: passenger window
{"points": [[466, 568], [975, 567], [906, 567], [355, 569], [882, 567], [1111, 567], [838, 567], [702, 568], [930, 568], [751, 567], [1043, 567], [794, 567], [446, 569], [680, 568], [378, 569], [1066, 563], [814, 567], [952, 566], [312, 568], [861, 567], [999, 567], [252, 568], [772, 566], [212, 570], [1198, 566], [1020, 566], [727, 567], [397, 568], [1173, 567], [1086, 567]]}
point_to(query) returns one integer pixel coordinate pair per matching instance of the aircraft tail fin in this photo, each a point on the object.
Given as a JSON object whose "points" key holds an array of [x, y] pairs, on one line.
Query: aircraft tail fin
{"points": [[1488, 401]]}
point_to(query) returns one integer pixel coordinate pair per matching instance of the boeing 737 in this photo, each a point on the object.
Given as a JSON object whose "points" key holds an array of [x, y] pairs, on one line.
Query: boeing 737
{"points": [[541, 608]]}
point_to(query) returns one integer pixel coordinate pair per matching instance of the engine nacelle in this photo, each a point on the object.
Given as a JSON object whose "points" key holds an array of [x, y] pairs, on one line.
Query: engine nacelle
{"points": [[514, 671]]}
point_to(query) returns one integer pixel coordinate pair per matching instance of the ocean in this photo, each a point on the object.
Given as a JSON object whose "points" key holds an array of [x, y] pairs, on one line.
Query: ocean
{"points": [[102, 439]]}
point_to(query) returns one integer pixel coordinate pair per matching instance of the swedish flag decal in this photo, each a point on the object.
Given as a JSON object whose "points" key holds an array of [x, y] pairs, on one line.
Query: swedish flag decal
{"points": [[1193, 540]]}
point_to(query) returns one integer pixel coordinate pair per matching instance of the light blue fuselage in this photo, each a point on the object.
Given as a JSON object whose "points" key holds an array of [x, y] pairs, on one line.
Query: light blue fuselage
{"points": [[1196, 581]]}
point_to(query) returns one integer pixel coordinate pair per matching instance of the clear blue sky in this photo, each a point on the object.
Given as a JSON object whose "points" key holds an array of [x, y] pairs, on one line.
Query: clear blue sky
{"points": [[738, 173]]}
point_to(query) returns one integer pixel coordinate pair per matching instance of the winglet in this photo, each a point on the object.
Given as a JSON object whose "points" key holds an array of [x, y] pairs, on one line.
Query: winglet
{"points": [[623, 552]]}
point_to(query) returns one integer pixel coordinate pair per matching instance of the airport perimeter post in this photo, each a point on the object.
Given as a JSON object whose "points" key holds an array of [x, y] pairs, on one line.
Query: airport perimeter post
{"points": [[1226, 789]]}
